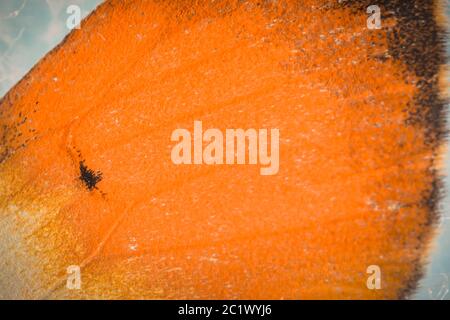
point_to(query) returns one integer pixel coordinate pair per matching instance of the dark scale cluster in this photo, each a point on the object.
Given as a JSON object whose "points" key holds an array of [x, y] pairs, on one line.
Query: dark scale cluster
{"points": [[89, 177], [419, 43], [16, 134]]}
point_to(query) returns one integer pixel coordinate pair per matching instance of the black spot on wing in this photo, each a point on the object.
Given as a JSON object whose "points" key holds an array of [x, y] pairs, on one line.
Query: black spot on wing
{"points": [[89, 177]]}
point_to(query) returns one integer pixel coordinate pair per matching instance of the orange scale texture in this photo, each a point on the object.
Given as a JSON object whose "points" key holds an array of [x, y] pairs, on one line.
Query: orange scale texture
{"points": [[357, 177]]}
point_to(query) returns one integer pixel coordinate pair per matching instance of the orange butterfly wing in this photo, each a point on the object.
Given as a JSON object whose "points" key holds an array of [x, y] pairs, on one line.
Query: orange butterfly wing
{"points": [[86, 176]]}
